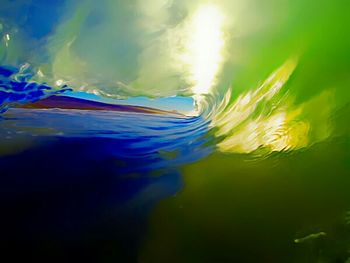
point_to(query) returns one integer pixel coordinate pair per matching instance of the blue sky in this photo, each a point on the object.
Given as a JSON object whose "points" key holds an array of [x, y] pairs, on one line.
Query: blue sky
{"points": [[178, 103]]}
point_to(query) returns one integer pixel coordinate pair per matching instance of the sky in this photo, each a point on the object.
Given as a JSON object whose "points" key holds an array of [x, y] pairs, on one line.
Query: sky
{"points": [[181, 104]]}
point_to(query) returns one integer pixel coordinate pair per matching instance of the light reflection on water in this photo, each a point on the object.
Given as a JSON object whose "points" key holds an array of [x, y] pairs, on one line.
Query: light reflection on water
{"points": [[268, 118]]}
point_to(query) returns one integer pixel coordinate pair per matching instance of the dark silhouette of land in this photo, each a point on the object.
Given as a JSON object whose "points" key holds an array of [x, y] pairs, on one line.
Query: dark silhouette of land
{"points": [[65, 102]]}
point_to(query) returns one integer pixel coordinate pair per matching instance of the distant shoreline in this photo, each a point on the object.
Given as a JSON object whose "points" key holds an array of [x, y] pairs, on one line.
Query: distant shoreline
{"points": [[65, 102]]}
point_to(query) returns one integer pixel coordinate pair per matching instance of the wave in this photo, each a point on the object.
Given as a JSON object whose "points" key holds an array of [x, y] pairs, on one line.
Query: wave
{"points": [[266, 119], [171, 49], [16, 87], [260, 121]]}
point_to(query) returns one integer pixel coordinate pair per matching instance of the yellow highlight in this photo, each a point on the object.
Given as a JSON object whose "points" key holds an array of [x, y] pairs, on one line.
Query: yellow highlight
{"points": [[280, 127]]}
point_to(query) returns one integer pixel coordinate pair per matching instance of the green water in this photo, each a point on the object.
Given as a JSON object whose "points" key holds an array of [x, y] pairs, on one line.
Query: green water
{"points": [[316, 32], [287, 208]]}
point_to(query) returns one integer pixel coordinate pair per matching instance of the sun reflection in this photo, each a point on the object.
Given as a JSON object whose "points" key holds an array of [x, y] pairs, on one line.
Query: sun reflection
{"points": [[281, 126], [204, 48]]}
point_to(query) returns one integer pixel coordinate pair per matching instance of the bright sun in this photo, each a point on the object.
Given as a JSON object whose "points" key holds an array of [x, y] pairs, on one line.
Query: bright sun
{"points": [[204, 48]]}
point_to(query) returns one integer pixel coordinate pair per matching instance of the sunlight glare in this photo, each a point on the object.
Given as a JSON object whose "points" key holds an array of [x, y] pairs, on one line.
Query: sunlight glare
{"points": [[204, 48]]}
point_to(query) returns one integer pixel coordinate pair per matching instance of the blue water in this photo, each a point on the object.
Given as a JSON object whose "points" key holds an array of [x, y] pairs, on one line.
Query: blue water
{"points": [[85, 179], [16, 87], [77, 178]]}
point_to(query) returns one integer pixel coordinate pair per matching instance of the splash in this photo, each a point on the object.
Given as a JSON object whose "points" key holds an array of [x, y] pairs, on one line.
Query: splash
{"points": [[16, 87], [267, 119], [263, 120], [181, 50]]}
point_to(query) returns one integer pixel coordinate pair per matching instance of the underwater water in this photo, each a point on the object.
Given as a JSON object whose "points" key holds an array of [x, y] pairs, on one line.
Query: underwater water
{"points": [[175, 131]]}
